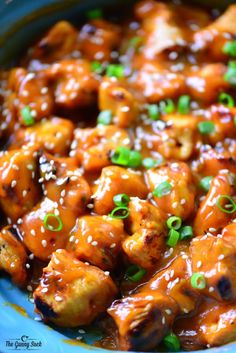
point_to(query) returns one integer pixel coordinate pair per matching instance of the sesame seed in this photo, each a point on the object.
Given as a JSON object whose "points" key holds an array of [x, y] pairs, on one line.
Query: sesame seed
{"points": [[113, 245], [58, 298], [13, 183], [163, 320], [221, 257], [211, 289], [94, 243], [29, 288], [44, 243], [44, 290], [27, 265], [107, 273], [90, 238], [199, 264], [32, 232]]}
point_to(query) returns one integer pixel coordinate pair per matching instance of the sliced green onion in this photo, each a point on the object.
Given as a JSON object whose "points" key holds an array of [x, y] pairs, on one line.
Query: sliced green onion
{"points": [[230, 75], [121, 156], [135, 42], [235, 120], [153, 111], [135, 273], [206, 127], [174, 222], [135, 159], [151, 163], [230, 48], [105, 117], [226, 99], [172, 342], [27, 117], [120, 212], [205, 183], [162, 189], [96, 66], [229, 204], [126, 157], [198, 281], [186, 232], [173, 238], [94, 14], [115, 70], [121, 200], [167, 106], [51, 227], [184, 104]]}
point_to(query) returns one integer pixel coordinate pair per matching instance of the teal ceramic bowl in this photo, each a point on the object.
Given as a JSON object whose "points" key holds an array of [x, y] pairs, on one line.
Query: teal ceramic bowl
{"points": [[20, 329]]}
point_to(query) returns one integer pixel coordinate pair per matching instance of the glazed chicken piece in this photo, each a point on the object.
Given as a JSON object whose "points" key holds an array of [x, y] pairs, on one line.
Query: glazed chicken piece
{"points": [[148, 227], [215, 257], [224, 125], [179, 200], [47, 227], [98, 38], [213, 325], [161, 28], [212, 38], [119, 101], [92, 146], [13, 256], [19, 189], [209, 216], [75, 84], [212, 161], [97, 240], [157, 83], [57, 43], [72, 293], [32, 90], [143, 319], [54, 136], [206, 83], [174, 280], [115, 180], [176, 140]]}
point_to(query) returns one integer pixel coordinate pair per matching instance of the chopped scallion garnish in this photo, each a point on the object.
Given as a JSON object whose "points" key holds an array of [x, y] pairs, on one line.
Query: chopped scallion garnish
{"points": [[49, 222], [162, 189], [174, 222], [205, 183], [198, 281], [173, 238], [121, 200], [226, 204], [27, 117], [206, 127], [105, 117], [135, 273], [120, 212], [184, 104], [226, 99]]}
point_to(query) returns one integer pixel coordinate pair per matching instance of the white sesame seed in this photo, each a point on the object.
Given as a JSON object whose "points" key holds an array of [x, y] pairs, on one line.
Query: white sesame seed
{"points": [[221, 257], [199, 264], [44, 243], [107, 273], [32, 232], [13, 183], [90, 238], [58, 298], [27, 265], [94, 243], [211, 289], [29, 288]]}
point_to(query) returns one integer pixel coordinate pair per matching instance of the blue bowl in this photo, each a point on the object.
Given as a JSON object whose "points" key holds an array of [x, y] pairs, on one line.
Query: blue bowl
{"points": [[20, 328]]}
